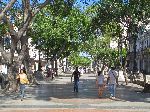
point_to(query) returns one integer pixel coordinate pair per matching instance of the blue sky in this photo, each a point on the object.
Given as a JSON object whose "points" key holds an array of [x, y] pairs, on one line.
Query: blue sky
{"points": [[81, 3], [85, 3]]}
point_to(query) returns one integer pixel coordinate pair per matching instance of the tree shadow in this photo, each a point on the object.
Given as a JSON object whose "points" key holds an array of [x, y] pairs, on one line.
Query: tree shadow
{"points": [[63, 91], [132, 94]]}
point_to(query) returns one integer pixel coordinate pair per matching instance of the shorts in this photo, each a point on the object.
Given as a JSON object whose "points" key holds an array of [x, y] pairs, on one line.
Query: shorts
{"points": [[100, 85]]}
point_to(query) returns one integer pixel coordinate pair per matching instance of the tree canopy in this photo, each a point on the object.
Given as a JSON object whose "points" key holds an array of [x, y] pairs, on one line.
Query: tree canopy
{"points": [[59, 28], [76, 59], [61, 35]]}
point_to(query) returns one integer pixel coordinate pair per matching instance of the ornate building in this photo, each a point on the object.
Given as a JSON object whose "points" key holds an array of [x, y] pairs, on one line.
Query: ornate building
{"points": [[142, 51]]}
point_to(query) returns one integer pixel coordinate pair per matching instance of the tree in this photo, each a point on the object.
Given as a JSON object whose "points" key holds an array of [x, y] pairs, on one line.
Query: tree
{"points": [[100, 51], [7, 7], [61, 34], [127, 15], [76, 60], [122, 15], [17, 18]]}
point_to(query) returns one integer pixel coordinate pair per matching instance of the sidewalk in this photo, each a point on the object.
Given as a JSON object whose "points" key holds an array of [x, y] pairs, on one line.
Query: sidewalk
{"points": [[70, 110], [58, 96]]}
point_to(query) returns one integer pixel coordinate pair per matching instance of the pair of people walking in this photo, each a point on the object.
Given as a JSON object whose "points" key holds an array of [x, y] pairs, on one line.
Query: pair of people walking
{"points": [[111, 82]]}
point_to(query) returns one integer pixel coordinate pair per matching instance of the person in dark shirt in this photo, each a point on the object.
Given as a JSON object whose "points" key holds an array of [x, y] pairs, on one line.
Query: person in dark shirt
{"points": [[76, 75]]}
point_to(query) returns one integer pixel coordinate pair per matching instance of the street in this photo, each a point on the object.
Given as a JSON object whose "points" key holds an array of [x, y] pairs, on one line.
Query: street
{"points": [[58, 96]]}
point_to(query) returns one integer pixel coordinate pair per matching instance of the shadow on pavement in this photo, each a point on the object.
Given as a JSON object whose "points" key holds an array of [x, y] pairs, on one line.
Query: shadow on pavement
{"points": [[64, 91], [132, 94], [87, 90]]}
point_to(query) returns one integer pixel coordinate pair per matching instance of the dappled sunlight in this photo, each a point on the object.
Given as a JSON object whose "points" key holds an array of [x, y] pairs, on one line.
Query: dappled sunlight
{"points": [[59, 94]]}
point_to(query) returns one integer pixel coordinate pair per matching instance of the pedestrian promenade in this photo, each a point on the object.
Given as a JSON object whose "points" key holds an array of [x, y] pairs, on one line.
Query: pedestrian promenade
{"points": [[58, 96]]}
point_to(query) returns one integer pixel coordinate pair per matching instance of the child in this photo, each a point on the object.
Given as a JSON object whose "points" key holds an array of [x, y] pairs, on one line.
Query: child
{"points": [[100, 82]]}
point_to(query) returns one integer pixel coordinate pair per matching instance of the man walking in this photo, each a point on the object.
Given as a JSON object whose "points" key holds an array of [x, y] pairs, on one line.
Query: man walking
{"points": [[76, 75], [112, 81]]}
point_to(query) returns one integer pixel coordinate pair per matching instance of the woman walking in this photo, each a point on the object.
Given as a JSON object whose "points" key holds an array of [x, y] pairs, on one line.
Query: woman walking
{"points": [[23, 80], [101, 84]]}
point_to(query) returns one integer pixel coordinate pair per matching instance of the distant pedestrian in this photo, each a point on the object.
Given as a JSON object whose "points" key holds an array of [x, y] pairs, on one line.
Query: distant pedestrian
{"points": [[82, 71], [23, 80], [76, 75], [112, 81], [101, 83], [49, 72], [53, 74]]}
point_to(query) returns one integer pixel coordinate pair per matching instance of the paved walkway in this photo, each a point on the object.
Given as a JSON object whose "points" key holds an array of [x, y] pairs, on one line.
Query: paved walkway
{"points": [[58, 96]]}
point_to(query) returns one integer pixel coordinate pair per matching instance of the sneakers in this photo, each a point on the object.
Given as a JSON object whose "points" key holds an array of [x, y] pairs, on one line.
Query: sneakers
{"points": [[112, 97], [24, 97]]}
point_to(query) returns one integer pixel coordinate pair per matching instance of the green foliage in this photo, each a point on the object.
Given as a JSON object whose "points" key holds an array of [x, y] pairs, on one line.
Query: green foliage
{"points": [[61, 35], [109, 14], [3, 29], [61, 7], [76, 60], [108, 56], [110, 17], [124, 52]]}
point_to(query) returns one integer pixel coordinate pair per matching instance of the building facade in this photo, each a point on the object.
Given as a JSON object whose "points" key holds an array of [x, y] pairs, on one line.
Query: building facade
{"points": [[142, 51], [34, 56]]}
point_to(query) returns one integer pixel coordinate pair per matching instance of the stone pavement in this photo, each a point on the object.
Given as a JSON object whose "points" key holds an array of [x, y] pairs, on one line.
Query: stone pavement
{"points": [[58, 96], [69, 110]]}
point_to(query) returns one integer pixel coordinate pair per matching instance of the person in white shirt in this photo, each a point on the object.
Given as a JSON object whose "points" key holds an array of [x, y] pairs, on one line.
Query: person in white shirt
{"points": [[111, 81], [101, 83]]}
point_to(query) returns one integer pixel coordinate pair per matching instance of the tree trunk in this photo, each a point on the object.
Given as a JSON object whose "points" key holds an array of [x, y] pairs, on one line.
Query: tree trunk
{"points": [[96, 69], [12, 77], [125, 76], [16, 36], [56, 67], [124, 65], [144, 77]]}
